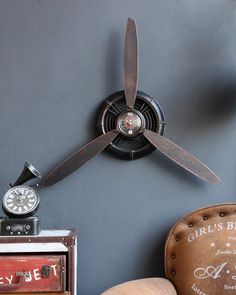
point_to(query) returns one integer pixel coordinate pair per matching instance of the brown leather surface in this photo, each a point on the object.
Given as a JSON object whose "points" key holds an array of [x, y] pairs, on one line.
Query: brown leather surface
{"points": [[150, 286], [200, 253]]}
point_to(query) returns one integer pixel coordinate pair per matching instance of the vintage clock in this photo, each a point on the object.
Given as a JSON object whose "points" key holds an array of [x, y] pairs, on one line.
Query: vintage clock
{"points": [[20, 203], [131, 125]]}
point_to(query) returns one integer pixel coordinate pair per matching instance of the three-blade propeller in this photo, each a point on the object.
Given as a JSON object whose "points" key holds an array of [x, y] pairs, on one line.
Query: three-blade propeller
{"points": [[164, 145]]}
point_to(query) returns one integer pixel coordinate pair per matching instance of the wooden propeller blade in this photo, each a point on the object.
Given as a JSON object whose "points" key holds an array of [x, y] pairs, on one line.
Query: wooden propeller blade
{"points": [[181, 157], [152, 286], [79, 157], [131, 63]]}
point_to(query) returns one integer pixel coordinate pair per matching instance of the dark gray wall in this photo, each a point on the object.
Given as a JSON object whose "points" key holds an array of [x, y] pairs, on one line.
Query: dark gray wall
{"points": [[59, 60]]}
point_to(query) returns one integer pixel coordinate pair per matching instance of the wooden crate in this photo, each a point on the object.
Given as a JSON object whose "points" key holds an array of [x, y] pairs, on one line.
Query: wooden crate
{"points": [[45, 264]]}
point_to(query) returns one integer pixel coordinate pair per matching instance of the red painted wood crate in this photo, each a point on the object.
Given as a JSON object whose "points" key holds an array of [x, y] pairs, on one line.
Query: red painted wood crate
{"points": [[31, 273], [43, 264]]}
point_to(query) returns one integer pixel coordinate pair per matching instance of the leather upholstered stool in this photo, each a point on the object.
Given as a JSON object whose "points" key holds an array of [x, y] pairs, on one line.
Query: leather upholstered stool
{"points": [[200, 254], [200, 257]]}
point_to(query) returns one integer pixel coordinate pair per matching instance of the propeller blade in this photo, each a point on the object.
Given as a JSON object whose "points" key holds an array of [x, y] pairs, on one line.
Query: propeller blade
{"points": [[79, 157], [131, 63], [181, 157]]}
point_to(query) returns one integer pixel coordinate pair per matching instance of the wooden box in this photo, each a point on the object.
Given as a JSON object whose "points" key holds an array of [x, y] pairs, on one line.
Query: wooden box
{"points": [[44, 264]]}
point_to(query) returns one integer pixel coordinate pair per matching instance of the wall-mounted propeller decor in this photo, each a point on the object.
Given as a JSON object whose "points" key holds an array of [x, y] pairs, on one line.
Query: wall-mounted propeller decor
{"points": [[131, 124]]}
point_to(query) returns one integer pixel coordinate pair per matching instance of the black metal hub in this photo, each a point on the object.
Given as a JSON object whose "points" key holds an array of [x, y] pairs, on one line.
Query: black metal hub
{"points": [[130, 123], [114, 114]]}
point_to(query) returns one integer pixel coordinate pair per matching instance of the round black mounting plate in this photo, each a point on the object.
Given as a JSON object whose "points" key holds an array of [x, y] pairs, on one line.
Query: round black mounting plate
{"points": [[124, 147]]}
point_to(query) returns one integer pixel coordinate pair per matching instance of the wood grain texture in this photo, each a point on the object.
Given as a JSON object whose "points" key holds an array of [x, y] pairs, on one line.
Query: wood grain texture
{"points": [[150, 286]]}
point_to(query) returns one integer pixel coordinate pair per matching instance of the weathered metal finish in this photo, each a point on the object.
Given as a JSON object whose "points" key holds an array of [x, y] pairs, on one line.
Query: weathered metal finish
{"points": [[131, 63], [79, 157], [181, 157], [171, 150], [124, 147], [8, 287], [19, 226], [29, 172], [67, 239], [30, 268]]}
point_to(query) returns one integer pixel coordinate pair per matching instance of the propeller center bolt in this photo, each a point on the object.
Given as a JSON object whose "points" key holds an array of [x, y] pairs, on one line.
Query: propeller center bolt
{"points": [[130, 123]]}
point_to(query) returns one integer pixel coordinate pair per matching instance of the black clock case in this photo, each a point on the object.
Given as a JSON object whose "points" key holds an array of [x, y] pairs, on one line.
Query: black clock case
{"points": [[14, 216], [26, 215]]}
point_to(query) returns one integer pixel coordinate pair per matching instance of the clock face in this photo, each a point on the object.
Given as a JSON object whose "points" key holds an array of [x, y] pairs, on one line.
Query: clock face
{"points": [[20, 201], [130, 123]]}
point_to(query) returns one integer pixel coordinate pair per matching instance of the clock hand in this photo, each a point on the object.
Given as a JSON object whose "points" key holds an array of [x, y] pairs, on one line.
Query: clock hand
{"points": [[15, 194], [181, 157], [79, 157], [131, 63]]}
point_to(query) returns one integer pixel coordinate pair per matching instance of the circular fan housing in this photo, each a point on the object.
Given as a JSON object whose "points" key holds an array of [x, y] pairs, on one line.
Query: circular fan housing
{"points": [[146, 107]]}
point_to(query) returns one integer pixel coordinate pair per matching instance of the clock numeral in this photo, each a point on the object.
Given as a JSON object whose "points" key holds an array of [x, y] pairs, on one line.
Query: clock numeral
{"points": [[10, 205], [26, 208], [20, 209]]}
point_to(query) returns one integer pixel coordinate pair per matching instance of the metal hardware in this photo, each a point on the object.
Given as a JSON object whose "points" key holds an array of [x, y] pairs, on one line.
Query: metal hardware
{"points": [[19, 226], [24, 274], [29, 172], [46, 271]]}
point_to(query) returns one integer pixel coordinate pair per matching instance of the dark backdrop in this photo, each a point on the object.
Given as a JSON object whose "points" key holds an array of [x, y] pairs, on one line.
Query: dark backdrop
{"points": [[58, 61]]}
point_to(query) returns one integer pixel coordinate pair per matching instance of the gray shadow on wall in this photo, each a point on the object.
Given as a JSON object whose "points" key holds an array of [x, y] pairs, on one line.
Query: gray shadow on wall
{"points": [[152, 264], [206, 89], [112, 77], [219, 104]]}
